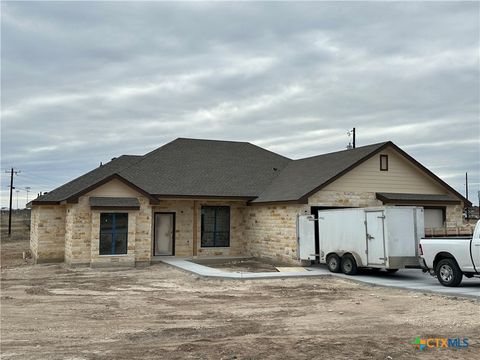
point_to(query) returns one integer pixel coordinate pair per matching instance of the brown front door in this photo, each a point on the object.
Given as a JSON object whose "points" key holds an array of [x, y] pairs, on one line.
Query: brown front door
{"points": [[164, 237]]}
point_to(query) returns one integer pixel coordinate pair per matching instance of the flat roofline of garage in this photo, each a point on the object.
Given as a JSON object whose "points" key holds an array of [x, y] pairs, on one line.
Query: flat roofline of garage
{"points": [[405, 198]]}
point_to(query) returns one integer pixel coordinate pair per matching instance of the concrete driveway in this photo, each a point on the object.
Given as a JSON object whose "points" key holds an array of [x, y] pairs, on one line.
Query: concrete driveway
{"points": [[416, 280]]}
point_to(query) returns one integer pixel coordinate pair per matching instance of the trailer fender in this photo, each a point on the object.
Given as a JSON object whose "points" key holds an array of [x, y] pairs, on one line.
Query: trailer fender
{"points": [[357, 258]]}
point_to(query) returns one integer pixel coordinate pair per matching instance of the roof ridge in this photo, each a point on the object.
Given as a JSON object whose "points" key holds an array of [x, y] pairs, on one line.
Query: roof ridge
{"points": [[213, 140], [147, 155], [270, 151]]}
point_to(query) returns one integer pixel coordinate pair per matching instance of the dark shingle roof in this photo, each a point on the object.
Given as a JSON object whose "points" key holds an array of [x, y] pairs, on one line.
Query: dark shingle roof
{"points": [[415, 197], [301, 177], [211, 168], [191, 167]]}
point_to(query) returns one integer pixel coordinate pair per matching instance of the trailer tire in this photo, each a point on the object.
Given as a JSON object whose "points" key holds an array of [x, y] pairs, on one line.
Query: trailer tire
{"points": [[333, 263], [448, 273], [349, 265]]}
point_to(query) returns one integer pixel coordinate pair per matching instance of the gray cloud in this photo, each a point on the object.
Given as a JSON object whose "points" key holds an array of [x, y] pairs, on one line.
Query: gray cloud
{"points": [[84, 82]]}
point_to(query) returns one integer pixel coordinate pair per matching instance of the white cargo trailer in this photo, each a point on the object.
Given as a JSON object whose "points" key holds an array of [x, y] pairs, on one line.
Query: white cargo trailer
{"points": [[379, 237]]}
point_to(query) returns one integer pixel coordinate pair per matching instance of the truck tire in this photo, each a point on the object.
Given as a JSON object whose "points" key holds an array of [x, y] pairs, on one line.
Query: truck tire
{"points": [[448, 273], [349, 265], [333, 263]]}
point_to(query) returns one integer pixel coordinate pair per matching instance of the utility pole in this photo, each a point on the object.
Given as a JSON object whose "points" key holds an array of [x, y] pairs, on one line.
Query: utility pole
{"points": [[350, 145], [11, 194]]}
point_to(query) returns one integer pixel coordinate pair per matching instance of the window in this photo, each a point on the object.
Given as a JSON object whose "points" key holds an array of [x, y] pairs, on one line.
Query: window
{"points": [[383, 162], [215, 226], [113, 233]]}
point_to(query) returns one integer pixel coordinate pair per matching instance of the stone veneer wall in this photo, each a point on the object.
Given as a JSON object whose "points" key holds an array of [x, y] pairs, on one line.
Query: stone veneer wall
{"points": [[143, 232], [47, 233], [78, 230], [268, 231], [271, 231], [83, 232], [454, 216], [183, 210], [344, 198], [34, 220]]}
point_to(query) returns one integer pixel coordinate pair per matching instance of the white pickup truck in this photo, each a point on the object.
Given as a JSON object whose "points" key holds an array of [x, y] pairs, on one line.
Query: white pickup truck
{"points": [[450, 258]]}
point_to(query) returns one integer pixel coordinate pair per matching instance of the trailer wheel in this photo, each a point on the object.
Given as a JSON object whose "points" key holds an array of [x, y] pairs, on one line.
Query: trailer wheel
{"points": [[448, 273], [333, 263], [349, 265]]}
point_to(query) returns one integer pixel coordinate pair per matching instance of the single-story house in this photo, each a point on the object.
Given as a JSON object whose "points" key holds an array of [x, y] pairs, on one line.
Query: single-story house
{"points": [[195, 197]]}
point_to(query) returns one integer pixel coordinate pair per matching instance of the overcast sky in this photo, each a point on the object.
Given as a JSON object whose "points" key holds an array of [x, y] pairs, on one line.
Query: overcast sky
{"points": [[84, 82]]}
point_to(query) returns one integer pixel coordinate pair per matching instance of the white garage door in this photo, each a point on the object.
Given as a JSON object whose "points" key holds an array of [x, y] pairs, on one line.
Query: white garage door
{"points": [[433, 218]]}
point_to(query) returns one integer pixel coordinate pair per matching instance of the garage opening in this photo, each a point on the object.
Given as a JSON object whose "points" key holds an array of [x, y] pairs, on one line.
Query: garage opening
{"points": [[434, 217]]}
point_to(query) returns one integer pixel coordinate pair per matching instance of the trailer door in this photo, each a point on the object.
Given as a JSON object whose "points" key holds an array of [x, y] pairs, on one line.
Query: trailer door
{"points": [[306, 237], [375, 237]]}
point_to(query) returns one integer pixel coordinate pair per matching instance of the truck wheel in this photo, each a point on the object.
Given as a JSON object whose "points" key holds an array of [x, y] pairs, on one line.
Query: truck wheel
{"points": [[333, 263], [448, 273], [349, 265]]}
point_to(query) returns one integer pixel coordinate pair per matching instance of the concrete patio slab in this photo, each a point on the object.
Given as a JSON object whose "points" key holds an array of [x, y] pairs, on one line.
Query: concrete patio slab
{"points": [[187, 265]]}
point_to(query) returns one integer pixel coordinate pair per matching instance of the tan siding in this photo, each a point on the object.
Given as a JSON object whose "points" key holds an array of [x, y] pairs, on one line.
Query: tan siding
{"points": [[401, 177], [114, 188]]}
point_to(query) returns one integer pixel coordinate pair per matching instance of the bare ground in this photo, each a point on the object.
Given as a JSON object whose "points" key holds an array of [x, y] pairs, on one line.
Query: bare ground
{"points": [[49, 312]]}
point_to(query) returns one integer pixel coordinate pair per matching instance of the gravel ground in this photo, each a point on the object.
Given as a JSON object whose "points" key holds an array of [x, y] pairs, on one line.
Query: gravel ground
{"points": [[50, 312]]}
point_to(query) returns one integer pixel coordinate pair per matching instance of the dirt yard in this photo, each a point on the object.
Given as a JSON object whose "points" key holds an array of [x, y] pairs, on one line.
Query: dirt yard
{"points": [[49, 312]]}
